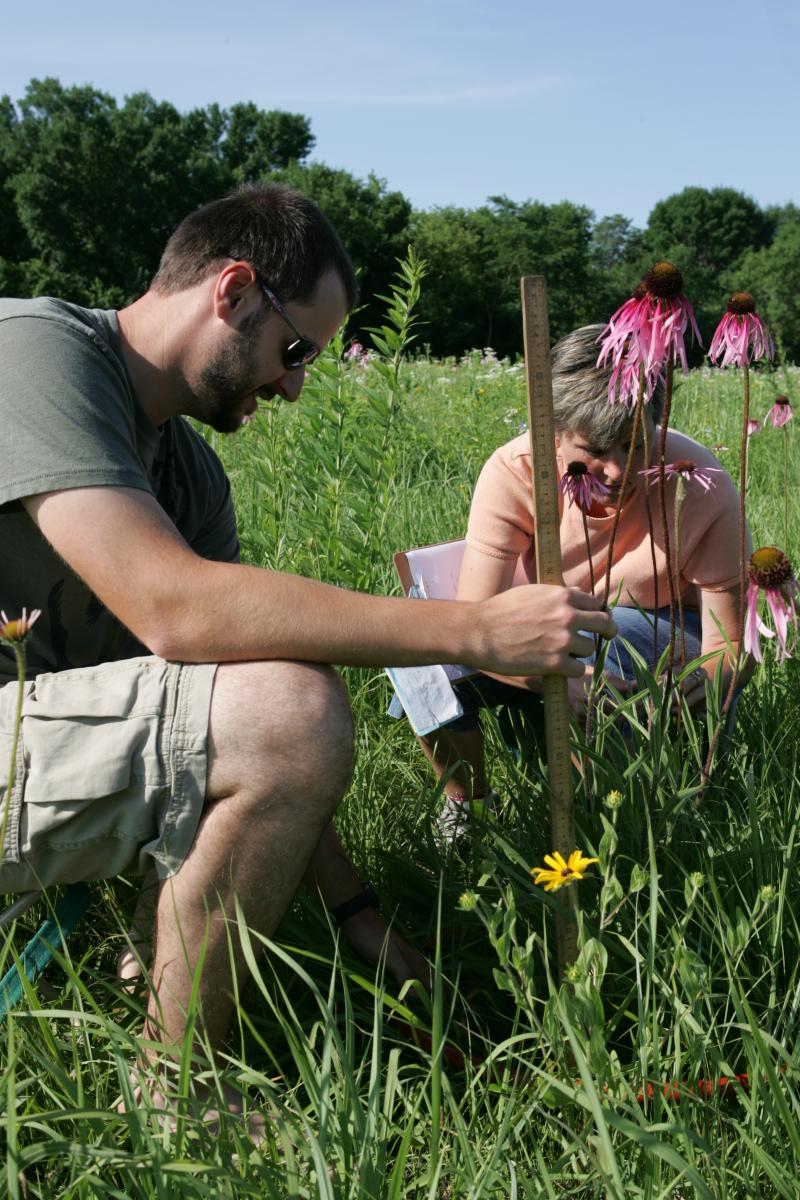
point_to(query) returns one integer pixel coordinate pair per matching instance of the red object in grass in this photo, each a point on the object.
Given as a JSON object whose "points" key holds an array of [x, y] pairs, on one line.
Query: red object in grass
{"points": [[674, 1091], [705, 1088]]}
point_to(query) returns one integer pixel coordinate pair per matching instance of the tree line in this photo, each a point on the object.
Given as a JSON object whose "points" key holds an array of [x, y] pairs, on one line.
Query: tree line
{"points": [[90, 189]]}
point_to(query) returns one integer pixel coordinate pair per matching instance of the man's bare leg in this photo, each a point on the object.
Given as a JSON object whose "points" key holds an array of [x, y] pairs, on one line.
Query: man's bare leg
{"points": [[139, 948], [280, 751]]}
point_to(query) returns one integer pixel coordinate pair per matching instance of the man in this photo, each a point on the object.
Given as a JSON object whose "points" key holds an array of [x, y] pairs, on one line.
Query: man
{"points": [[170, 684]]}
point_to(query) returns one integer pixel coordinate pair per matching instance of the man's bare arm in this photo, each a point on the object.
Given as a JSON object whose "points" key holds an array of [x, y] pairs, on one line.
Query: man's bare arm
{"points": [[186, 608]]}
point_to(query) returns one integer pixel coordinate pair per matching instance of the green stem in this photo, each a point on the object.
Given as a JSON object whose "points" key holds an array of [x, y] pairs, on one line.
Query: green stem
{"points": [[662, 449], [785, 490], [637, 417], [742, 492], [19, 651], [588, 731], [588, 555], [649, 511], [712, 747], [680, 493], [593, 689]]}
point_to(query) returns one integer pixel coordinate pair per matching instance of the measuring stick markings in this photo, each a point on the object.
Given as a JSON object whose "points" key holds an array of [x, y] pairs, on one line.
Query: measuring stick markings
{"points": [[536, 335]]}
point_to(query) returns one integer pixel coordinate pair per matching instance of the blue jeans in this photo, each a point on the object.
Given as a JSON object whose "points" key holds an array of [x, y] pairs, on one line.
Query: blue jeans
{"points": [[634, 627]]}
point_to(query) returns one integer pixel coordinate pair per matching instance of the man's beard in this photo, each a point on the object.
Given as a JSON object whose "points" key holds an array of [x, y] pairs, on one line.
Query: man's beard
{"points": [[227, 382]]}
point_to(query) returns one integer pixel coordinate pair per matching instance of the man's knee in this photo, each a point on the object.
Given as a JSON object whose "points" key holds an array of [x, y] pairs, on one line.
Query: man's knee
{"points": [[285, 724]]}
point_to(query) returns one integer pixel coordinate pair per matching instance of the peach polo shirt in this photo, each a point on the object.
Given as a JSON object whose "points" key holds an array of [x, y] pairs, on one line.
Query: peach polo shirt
{"points": [[501, 526]]}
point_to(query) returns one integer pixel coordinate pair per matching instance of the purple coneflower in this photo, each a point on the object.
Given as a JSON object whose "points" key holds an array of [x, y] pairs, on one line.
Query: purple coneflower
{"points": [[14, 631], [687, 470], [753, 426], [581, 487], [740, 337], [647, 331], [770, 572], [780, 413], [357, 354]]}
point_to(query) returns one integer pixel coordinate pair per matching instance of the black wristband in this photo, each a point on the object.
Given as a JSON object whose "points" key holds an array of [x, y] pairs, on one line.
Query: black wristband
{"points": [[366, 898]]}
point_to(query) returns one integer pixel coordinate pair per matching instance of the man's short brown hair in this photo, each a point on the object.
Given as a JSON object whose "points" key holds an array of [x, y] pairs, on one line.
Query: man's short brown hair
{"points": [[278, 230]]}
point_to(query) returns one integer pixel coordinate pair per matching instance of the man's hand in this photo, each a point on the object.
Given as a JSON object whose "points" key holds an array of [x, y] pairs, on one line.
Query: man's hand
{"points": [[537, 630]]}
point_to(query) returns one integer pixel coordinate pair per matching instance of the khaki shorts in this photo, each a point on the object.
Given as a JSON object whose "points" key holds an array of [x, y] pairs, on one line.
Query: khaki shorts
{"points": [[111, 771]]}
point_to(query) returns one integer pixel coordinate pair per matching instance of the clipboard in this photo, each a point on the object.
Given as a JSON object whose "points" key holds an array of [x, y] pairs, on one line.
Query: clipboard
{"points": [[431, 573]]}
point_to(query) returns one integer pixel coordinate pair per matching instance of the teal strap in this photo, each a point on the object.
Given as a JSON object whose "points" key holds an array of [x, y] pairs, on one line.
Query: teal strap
{"points": [[39, 950]]}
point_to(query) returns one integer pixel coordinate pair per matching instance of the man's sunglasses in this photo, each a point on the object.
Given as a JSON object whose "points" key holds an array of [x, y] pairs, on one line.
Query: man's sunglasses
{"points": [[300, 352]]}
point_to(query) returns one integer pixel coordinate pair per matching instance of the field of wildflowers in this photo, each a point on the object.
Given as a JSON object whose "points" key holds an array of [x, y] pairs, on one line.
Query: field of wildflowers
{"points": [[667, 1064]]}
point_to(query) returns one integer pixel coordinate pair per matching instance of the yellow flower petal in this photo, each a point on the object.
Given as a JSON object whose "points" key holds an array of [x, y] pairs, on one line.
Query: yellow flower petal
{"points": [[559, 871], [577, 862]]}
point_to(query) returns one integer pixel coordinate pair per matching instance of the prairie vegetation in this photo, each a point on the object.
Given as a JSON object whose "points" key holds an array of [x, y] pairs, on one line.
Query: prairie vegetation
{"points": [[669, 1064]]}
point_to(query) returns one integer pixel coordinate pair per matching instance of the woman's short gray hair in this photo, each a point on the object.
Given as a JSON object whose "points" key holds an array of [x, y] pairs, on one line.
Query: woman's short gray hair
{"points": [[580, 392]]}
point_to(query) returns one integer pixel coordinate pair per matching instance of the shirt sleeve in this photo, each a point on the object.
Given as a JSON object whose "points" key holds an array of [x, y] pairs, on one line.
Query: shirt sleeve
{"points": [[79, 426], [197, 496], [218, 538], [500, 520]]}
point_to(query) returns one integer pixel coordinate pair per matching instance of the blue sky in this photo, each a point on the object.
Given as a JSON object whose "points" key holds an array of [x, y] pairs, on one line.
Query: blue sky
{"points": [[451, 101]]}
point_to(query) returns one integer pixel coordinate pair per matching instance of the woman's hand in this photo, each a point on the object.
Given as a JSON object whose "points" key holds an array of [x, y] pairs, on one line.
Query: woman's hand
{"points": [[694, 688]]}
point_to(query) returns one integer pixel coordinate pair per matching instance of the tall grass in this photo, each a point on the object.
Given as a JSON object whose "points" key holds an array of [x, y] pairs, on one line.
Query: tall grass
{"points": [[500, 1084]]}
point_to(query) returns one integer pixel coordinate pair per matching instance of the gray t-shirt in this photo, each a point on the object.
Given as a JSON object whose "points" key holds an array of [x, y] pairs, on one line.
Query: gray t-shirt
{"points": [[69, 418]]}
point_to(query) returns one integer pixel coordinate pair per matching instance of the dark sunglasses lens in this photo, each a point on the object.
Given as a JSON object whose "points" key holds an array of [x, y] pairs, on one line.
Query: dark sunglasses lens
{"points": [[300, 354]]}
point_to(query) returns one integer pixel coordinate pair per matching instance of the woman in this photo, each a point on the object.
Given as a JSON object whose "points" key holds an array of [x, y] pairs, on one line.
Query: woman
{"points": [[592, 432]]}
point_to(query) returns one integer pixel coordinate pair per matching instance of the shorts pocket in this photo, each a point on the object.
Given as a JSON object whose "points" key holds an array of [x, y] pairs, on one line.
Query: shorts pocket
{"points": [[76, 761], [131, 688], [87, 736]]}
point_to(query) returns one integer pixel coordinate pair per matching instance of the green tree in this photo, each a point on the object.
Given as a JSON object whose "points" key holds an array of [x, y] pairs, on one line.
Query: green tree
{"points": [[716, 225], [256, 142], [96, 187], [476, 258], [450, 314], [615, 255], [613, 242], [13, 242], [772, 274]]}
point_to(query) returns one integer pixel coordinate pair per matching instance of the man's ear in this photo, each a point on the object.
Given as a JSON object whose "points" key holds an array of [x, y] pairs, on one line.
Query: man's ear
{"points": [[236, 293]]}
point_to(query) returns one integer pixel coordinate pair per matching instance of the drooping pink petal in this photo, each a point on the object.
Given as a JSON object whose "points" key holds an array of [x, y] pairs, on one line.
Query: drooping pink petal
{"points": [[686, 470], [754, 625], [646, 332], [783, 614], [581, 487], [780, 413], [741, 336]]}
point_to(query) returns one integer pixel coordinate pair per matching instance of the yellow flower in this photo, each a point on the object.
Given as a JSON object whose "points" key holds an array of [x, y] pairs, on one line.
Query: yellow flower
{"points": [[16, 631], [558, 871]]}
